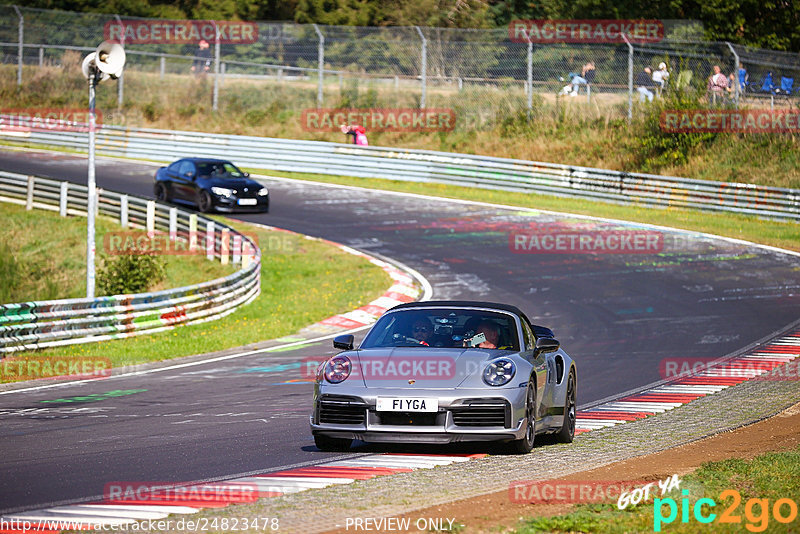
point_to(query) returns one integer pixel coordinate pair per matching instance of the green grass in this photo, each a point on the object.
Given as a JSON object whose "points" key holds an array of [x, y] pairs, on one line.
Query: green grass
{"points": [[775, 233], [302, 281], [43, 257], [767, 477]]}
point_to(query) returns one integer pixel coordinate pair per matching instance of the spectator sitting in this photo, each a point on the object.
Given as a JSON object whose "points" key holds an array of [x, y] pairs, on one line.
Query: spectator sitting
{"points": [[359, 133], [644, 81]]}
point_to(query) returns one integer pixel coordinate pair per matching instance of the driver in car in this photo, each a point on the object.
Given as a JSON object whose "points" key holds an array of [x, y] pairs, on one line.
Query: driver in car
{"points": [[422, 331]]}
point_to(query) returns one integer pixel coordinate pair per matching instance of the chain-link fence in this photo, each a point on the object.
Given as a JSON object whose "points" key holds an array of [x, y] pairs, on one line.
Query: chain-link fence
{"points": [[482, 75]]}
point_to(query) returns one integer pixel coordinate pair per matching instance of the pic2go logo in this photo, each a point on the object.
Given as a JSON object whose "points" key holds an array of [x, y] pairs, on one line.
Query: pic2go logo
{"points": [[756, 511]]}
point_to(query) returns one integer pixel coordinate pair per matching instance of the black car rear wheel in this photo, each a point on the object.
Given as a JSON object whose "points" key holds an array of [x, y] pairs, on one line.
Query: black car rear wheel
{"points": [[204, 202], [525, 445], [329, 444], [567, 432]]}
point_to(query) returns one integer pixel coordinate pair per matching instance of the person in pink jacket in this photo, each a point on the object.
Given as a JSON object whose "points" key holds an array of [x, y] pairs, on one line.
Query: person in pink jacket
{"points": [[359, 133]]}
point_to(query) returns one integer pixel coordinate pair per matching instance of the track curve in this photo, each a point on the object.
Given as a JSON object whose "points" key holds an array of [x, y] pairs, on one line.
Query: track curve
{"points": [[619, 316]]}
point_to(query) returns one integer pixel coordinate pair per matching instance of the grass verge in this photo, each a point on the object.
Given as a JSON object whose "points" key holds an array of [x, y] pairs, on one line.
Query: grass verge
{"points": [[768, 232], [302, 281], [759, 484], [43, 257]]}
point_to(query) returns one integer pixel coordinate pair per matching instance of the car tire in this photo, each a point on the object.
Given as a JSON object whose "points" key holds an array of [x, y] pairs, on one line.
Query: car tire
{"points": [[525, 445], [162, 193], [329, 444], [567, 432], [204, 202]]}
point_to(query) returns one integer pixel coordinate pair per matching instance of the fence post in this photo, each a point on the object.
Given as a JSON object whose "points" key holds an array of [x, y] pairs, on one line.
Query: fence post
{"points": [[222, 73], [215, 97], [210, 240], [173, 224], [237, 248], [224, 246], [20, 44], [530, 78], [630, 77], [120, 79], [193, 231], [41, 56], [123, 211], [29, 199], [150, 222], [320, 64], [424, 67], [62, 199], [736, 84], [162, 67]]}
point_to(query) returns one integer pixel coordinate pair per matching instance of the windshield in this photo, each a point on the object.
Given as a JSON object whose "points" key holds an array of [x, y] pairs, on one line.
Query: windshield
{"points": [[444, 327], [219, 169]]}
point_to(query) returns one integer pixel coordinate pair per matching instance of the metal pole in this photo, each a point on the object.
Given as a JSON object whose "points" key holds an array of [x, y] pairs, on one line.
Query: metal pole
{"points": [[424, 67], [120, 79], [91, 208], [321, 64], [530, 78], [19, 44], [630, 77], [161, 67], [736, 84], [215, 98]]}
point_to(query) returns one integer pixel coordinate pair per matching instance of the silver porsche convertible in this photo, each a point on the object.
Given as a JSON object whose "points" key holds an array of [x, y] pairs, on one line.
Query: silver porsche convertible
{"points": [[446, 371]]}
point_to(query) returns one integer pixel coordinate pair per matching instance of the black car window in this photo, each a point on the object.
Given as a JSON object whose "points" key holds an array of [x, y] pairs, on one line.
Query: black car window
{"points": [[186, 167], [440, 327], [527, 333], [174, 167], [219, 169]]}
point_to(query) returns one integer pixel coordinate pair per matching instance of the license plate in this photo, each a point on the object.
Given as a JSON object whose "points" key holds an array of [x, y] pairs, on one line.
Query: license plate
{"points": [[407, 404], [247, 202]]}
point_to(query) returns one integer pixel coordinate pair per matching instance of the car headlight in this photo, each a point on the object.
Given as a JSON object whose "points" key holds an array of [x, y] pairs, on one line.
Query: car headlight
{"points": [[499, 372], [222, 191], [263, 192], [338, 369]]}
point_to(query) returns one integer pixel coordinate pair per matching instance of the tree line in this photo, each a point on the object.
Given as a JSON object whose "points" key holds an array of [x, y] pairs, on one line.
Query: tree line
{"points": [[772, 24]]}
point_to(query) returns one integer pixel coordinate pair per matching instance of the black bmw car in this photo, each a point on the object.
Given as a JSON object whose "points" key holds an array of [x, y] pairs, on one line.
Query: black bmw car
{"points": [[210, 184]]}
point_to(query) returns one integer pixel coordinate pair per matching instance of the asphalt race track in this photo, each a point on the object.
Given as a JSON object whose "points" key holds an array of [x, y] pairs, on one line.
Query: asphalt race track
{"points": [[618, 315]]}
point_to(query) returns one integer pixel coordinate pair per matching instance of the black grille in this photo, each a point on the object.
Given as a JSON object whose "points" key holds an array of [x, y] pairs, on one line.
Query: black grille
{"points": [[341, 411], [482, 414], [410, 419]]}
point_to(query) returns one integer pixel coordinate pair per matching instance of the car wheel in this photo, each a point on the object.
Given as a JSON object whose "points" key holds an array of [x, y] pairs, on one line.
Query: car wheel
{"points": [[161, 193], [567, 432], [525, 445], [329, 444], [204, 202]]}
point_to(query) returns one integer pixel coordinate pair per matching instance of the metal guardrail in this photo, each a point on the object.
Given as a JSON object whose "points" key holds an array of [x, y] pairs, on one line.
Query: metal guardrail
{"points": [[430, 166], [42, 324]]}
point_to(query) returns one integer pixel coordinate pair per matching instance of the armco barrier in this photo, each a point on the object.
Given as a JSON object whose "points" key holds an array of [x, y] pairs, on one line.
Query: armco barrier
{"points": [[33, 325], [429, 166]]}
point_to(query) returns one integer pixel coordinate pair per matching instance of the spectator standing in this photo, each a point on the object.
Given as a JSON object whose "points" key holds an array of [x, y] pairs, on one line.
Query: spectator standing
{"points": [[661, 76], [717, 84], [644, 82], [202, 59]]}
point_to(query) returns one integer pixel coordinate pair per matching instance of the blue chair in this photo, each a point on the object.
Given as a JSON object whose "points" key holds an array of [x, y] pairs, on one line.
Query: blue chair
{"points": [[767, 86], [786, 86]]}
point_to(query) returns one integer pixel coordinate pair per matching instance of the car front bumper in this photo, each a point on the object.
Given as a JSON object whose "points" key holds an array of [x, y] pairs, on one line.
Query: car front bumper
{"points": [[463, 415]]}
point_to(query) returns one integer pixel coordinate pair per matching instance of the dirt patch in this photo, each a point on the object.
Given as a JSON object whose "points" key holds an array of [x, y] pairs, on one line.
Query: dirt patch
{"points": [[496, 512]]}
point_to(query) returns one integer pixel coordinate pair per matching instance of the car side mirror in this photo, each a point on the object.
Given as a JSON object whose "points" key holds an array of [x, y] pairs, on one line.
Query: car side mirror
{"points": [[189, 174], [547, 344], [246, 174], [344, 342]]}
